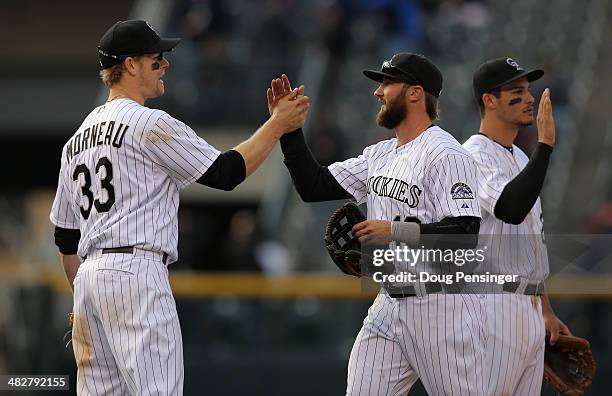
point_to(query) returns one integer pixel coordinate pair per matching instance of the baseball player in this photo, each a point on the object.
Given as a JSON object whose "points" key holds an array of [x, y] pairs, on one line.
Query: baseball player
{"points": [[509, 184], [116, 209], [411, 184]]}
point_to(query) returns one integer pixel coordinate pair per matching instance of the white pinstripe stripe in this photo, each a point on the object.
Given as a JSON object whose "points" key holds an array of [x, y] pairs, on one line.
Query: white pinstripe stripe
{"points": [[127, 305], [447, 361], [516, 345], [158, 157], [520, 250], [376, 373], [128, 336], [516, 330]]}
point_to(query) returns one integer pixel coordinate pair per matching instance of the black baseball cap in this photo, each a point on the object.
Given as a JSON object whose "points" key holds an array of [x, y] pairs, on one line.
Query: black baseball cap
{"points": [[131, 38], [496, 73], [414, 69]]}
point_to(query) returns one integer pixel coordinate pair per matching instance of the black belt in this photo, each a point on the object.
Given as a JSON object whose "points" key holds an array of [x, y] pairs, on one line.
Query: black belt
{"points": [[124, 249], [129, 250], [532, 289], [409, 291]]}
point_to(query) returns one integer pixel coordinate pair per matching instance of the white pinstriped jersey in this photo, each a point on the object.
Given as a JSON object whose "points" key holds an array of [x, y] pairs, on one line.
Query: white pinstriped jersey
{"points": [[425, 180], [428, 178], [120, 177], [520, 249]]}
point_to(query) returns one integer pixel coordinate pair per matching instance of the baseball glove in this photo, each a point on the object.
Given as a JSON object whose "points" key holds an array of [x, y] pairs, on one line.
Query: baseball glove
{"points": [[343, 247], [569, 365]]}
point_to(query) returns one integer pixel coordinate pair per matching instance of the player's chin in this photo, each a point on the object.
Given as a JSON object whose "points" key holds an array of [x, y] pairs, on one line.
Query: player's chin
{"points": [[526, 120], [160, 88]]}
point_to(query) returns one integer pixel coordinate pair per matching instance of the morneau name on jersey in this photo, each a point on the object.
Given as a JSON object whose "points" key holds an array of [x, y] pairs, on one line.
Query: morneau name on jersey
{"points": [[396, 189], [96, 135]]}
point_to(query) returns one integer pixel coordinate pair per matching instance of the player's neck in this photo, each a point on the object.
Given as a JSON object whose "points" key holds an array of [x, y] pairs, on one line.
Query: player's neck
{"points": [[124, 92], [411, 128], [501, 132]]}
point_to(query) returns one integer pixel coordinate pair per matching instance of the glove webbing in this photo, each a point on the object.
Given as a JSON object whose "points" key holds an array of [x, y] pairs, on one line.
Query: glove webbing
{"points": [[342, 232]]}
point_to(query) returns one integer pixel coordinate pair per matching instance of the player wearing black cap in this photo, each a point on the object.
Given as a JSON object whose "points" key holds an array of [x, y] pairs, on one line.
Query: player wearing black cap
{"points": [[116, 209], [420, 182], [131, 38], [509, 183]]}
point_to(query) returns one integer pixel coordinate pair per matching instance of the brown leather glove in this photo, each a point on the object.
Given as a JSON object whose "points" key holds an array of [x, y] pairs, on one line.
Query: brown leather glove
{"points": [[569, 365]]}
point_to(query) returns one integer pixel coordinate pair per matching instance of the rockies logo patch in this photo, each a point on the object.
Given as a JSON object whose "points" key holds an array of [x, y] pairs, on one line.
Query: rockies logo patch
{"points": [[461, 191], [514, 64]]}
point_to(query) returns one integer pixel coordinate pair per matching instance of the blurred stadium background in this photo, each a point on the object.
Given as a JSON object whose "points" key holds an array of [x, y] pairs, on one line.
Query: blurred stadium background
{"points": [[263, 310]]}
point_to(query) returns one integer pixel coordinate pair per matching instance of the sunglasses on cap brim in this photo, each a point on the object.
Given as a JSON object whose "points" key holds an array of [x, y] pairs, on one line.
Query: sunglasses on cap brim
{"points": [[387, 65], [123, 57]]}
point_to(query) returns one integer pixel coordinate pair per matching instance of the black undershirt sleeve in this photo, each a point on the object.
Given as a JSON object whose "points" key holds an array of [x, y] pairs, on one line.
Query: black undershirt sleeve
{"points": [[451, 233], [521, 193], [67, 240], [453, 225], [313, 182], [226, 172]]}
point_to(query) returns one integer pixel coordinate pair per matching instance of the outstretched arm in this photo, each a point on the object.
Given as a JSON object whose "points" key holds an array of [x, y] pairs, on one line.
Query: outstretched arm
{"points": [[313, 182], [232, 167]]}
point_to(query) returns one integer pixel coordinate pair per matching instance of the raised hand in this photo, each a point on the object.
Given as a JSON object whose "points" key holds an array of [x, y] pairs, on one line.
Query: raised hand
{"points": [[279, 88], [290, 110], [545, 120]]}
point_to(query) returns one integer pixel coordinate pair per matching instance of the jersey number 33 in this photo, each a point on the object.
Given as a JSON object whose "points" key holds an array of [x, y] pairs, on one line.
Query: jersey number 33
{"points": [[105, 182]]}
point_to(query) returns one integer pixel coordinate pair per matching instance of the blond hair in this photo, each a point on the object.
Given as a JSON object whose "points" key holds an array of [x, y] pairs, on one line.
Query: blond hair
{"points": [[112, 75]]}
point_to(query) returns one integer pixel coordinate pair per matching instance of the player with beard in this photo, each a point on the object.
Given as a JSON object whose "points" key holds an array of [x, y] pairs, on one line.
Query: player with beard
{"points": [[420, 182]]}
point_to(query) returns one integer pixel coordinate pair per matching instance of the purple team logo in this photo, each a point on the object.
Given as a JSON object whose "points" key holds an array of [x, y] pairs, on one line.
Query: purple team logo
{"points": [[461, 191]]}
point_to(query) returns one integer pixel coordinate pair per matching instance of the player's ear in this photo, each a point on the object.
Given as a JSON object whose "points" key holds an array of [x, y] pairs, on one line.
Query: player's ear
{"points": [[131, 65], [489, 101], [416, 93]]}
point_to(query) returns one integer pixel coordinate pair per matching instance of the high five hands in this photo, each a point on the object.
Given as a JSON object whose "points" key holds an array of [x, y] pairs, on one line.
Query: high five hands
{"points": [[279, 88]]}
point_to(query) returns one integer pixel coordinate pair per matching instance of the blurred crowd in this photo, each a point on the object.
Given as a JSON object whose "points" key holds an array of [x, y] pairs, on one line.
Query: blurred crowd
{"points": [[237, 46], [231, 49]]}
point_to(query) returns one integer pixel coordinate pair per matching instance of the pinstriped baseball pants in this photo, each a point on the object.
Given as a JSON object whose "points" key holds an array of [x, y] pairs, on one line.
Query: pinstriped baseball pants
{"points": [[126, 333], [515, 351], [439, 338]]}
